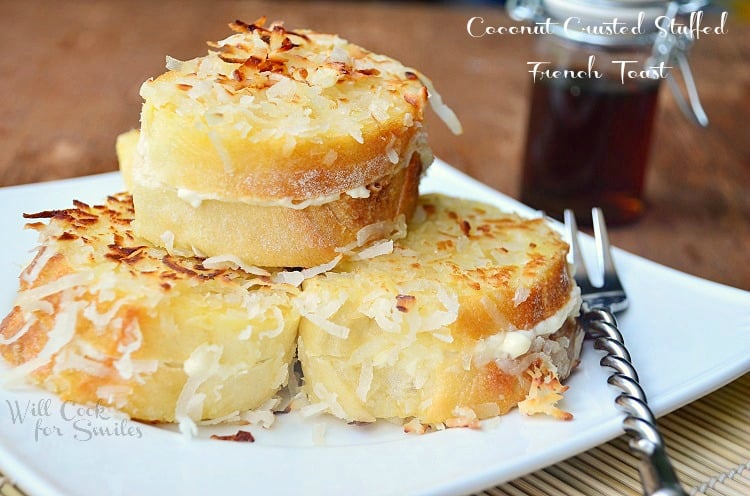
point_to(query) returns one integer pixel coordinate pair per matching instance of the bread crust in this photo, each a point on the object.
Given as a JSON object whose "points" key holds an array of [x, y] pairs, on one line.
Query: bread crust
{"points": [[144, 322], [274, 236]]}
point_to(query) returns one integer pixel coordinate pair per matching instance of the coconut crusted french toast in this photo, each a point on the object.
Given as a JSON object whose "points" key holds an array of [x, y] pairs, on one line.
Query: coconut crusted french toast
{"points": [[293, 149], [472, 313], [104, 316], [469, 315], [290, 138]]}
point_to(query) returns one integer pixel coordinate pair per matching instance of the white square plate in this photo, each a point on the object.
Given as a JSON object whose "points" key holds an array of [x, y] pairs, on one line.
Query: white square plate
{"points": [[687, 336]]}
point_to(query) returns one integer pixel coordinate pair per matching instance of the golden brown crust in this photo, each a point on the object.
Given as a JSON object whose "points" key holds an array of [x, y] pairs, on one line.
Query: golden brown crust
{"points": [[482, 253], [102, 316], [274, 236], [545, 297]]}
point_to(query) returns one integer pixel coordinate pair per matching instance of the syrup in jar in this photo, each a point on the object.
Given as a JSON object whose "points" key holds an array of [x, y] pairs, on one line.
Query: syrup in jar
{"points": [[587, 145]]}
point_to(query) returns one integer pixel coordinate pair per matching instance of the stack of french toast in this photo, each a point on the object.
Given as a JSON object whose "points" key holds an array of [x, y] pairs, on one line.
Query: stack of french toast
{"points": [[273, 215]]}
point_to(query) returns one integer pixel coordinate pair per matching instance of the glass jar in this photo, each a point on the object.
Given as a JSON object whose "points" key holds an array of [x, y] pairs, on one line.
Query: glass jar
{"points": [[596, 79]]}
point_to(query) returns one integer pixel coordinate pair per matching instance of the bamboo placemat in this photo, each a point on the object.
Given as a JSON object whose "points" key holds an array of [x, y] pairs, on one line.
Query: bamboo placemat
{"points": [[708, 442]]}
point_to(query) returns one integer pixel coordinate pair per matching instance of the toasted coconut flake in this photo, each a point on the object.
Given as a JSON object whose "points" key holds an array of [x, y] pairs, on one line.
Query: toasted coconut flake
{"points": [[125, 364], [296, 277], [329, 400], [239, 436], [20, 333], [312, 409], [229, 418], [202, 363], [31, 296], [167, 237], [414, 426], [331, 328], [404, 303], [376, 250], [441, 109], [365, 380], [392, 230], [172, 64], [544, 394], [32, 272], [522, 294], [464, 417], [233, 262], [324, 74], [263, 415]]}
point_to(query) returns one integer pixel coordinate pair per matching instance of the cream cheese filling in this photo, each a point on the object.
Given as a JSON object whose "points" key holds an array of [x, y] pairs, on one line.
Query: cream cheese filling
{"points": [[514, 343], [195, 199]]}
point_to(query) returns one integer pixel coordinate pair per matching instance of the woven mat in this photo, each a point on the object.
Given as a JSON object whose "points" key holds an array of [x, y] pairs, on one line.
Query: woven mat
{"points": [[708, 442]]}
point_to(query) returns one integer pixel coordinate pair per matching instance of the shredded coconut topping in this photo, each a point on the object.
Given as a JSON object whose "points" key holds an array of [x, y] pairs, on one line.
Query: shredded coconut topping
{"points": [[337, 87], [199, 367], [233, 262]]}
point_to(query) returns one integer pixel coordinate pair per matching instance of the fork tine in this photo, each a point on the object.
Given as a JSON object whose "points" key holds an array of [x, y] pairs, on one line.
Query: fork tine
{"points": [[603, 247], [597, 318], [579, 274]]}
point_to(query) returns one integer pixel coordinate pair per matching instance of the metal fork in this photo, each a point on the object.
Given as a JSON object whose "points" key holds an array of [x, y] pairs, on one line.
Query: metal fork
{"points": [[600, 303]]}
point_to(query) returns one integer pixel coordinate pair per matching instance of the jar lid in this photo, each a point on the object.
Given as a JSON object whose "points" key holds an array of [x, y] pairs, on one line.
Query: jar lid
{"points": [[605, 22], [611, 23], [602, 15], [632, 23]]}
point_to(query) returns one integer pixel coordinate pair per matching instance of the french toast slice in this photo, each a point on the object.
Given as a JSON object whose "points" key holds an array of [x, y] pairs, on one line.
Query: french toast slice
{"points": [[271, 113], [470, 315], [103, 316], [296, 136]]}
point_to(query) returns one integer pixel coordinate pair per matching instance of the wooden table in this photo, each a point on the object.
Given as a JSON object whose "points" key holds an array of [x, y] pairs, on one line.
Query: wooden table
{"points": [[70, 74]]}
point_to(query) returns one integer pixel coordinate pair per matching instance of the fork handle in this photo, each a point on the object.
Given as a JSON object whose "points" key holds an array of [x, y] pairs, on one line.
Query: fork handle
{"points": [[658, 477]]}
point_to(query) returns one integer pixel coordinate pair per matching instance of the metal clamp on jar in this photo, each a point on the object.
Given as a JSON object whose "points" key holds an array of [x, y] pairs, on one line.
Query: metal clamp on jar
{"points": [[596, 78]]}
